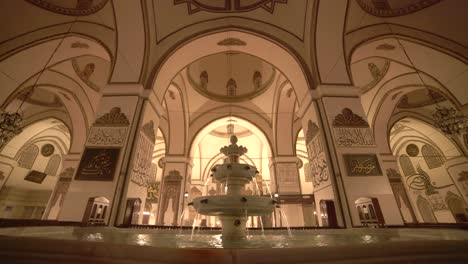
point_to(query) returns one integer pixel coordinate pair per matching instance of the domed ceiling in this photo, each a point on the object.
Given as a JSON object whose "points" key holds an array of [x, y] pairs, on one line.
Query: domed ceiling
{"points": [[230, 76]]}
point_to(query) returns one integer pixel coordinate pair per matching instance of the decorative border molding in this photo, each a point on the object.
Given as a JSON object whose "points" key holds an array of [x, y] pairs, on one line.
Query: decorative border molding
{"points": [[77, 11], [230, 6], [392, 12]]}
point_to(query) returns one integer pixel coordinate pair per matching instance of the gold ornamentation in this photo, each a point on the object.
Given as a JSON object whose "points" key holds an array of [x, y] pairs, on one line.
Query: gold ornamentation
{"points": [[362, 165], [98, 164]]}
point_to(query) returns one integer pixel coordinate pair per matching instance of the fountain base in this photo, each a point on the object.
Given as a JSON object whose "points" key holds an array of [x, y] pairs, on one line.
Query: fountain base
{"points": [[233, 227]]}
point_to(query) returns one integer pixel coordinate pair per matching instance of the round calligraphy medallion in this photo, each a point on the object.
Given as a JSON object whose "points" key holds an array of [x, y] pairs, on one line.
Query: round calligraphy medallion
{"points": [[47, 150], [412, 150]]}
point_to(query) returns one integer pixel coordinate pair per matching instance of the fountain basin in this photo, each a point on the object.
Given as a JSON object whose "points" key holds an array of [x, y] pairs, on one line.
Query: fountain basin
{"points": [[233, 205], [234, 172]]}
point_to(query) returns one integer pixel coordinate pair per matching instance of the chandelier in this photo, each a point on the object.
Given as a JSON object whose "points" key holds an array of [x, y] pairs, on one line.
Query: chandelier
{"points": [[11, 124], [450, 121], [447, 119]]}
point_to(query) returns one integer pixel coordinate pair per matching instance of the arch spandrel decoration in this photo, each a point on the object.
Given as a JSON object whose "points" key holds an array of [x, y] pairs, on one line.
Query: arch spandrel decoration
{"points": [[71, 8], [28, 156], [229, 6], [388, 8]]}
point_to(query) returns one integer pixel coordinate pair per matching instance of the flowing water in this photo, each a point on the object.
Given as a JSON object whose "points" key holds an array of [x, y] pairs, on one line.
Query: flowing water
{"points": [[212, 239]]}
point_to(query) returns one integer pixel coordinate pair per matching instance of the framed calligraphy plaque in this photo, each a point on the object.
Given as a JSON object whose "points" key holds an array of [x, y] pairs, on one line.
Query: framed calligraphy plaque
{"points": [[362, 165], [35, 176], [98, 164]]}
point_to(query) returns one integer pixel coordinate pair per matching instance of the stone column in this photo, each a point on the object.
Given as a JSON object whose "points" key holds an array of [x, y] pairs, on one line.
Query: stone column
{"points": [[352, 145], [287, 175], [104, 166], [390, 166], [70, 163], [172, 189]]}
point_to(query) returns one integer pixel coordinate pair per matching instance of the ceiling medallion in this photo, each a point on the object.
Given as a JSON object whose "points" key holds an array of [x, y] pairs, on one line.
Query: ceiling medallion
{"points": [[387, 8], [71, 8], [47, 150], [229, 6]]}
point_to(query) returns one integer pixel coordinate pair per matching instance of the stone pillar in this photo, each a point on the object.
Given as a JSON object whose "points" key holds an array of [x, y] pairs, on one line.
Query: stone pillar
{"points": [[172, 189], [390, 166], [70, 163], [287, 175], [104, 166], [352, 145]]}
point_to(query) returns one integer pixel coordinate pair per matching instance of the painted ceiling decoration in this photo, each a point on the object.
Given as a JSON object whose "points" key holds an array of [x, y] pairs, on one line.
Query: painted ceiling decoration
{"points": [[385, 46], [232, 42], [230, 77], [376, 73], [71, 7], [79, 45], [420, 98], [85, 73], [388, 8], [229, 6], [40, 97]]}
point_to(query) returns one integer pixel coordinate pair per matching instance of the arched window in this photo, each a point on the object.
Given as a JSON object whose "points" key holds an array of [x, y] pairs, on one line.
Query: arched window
{"points": [[406, 165], [28, 156], [432, 156], [53, 165]]}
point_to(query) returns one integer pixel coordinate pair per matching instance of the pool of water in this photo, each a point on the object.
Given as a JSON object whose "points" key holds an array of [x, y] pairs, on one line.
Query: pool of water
{"points": [[255, 239]]}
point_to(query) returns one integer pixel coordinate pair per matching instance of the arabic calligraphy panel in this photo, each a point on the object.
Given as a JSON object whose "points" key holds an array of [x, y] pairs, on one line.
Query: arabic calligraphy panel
{"points": [[354, 137], [362, 165], [98, 164], [107, 136]]}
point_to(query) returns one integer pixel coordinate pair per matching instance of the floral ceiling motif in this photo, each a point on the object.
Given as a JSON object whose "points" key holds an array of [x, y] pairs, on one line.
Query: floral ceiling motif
{"points": [[71, 7], [420, 98], [388, 8], [229, 6]]}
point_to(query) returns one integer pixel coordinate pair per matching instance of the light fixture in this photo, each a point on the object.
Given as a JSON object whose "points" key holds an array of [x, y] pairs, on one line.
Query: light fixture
{"points": [[11, 123], [186, 195], [447, 119], [276, 195], [450, 121]]}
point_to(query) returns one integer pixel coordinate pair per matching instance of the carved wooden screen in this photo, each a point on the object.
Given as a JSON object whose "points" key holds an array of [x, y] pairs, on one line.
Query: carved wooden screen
{"points": [[406, 165], [432, 157], [53, 165], [28, 156]]}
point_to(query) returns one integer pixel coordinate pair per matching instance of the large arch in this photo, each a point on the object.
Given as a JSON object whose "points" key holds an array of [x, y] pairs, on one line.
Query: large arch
{"points": [[257, 45]]}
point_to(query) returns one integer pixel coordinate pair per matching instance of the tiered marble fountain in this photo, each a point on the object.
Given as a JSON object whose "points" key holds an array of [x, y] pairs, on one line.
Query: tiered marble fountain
{"points": [[233, 208]]}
